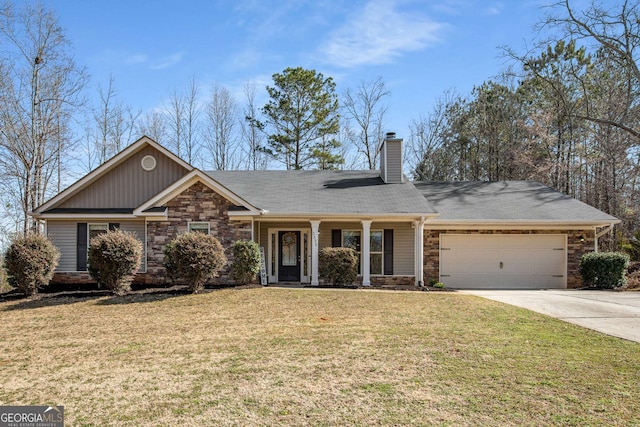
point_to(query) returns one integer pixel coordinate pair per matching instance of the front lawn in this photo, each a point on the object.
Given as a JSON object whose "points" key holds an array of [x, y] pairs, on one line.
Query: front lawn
{"points": [[269, 356]]}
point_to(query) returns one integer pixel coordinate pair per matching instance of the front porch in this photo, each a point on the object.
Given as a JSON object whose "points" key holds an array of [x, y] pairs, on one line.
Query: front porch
{"points": [[390, 256]]}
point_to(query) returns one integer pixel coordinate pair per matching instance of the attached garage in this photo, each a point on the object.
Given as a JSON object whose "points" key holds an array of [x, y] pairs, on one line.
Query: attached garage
{"points": [[503, 261]]}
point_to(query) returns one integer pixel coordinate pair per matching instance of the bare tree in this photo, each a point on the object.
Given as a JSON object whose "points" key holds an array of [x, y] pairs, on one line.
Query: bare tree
{"points": [[40, 87], [616, 32], [174, 114], [153, 124], [181, 112], [113, 128], [367, 109], [192, 112], [220, 139], [348, 149], [252, 137], [426, 148]]}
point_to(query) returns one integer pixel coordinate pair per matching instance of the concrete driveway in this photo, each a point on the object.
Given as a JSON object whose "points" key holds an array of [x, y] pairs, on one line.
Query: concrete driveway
{"points": [[612, 313]]}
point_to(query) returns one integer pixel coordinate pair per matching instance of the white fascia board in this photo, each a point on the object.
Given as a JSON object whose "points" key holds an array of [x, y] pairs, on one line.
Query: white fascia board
{"points": [[462, 225], [240, 216], [346, 217], [188, 180], [156, 217], [107, 166], [81, 216]]}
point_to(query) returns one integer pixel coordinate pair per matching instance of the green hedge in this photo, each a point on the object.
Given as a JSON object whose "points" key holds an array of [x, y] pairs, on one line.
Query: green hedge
{"points": [[339, 265], [30, 262], [114, 258], [194, 258], [604, 269], [246, 263]]}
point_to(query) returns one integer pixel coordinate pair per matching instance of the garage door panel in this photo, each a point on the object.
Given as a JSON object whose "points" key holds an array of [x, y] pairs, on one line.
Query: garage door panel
{"points": [[503, 261], [479, 266], [518, 268], [548, 241], [469, 281]]}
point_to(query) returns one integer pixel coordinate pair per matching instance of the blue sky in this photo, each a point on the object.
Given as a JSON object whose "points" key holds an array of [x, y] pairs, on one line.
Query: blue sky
{"points": [[420, 48]]}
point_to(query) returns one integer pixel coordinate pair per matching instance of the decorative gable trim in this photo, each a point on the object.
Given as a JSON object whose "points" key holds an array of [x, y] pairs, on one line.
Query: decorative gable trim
{"points": [[106, 167], [152, 206]]}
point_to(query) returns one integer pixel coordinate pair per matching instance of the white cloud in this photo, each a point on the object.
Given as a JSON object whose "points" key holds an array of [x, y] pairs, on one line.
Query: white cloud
{"points": [[495, 9], [452, 7], [136, 59], [141, 59], [245, 59], [166, 61], [379, 34]]}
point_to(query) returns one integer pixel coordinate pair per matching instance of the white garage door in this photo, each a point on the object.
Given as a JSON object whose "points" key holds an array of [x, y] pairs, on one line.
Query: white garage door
{"points": [[509, 261]]}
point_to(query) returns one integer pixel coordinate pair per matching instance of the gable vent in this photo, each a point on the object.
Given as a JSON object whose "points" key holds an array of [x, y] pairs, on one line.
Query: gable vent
{"points": [[148, 163]]}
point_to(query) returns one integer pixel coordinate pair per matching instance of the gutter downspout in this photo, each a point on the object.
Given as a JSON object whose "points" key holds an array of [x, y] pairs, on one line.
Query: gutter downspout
{"points": [[419, 252]]}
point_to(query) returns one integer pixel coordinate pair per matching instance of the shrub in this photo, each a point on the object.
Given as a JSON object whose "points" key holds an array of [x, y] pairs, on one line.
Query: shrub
{"points": [[114, 258], [194, 258], [633, 275], [246, 264], [4, 284], [604, 269], [340, 265], [30, 262], [632, 246]]}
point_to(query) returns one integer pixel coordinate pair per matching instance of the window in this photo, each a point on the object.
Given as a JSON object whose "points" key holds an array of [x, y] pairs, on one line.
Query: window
{"points": [[96, 230], [376, 252], [351, 239], [84, 233], [199, 227]]}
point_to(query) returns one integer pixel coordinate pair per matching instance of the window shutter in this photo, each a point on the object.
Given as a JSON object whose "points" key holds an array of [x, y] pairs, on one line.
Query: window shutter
{"points": [[81, 244], [388, 252], [114, 226], [336, 238]]}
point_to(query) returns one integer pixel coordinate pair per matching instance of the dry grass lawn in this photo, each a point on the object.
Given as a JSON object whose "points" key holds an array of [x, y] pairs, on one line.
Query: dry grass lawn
{"points": [[268, 357]]}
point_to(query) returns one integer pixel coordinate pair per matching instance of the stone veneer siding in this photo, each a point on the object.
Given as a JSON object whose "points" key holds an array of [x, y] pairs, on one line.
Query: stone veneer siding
{"points": [[72, 278], [197, 203], [575, 249]]}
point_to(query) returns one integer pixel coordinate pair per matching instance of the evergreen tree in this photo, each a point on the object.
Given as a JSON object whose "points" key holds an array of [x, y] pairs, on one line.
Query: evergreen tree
{"points": [[301, 120]]}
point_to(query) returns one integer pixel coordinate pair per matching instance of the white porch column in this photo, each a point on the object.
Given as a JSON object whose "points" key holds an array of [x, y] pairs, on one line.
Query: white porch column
{"points": [[365, 245], [419, 252], [315, 225]]}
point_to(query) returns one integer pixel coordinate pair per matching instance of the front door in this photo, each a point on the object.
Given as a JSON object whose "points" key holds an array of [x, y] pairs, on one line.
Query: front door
{"points": [[289, 256]]}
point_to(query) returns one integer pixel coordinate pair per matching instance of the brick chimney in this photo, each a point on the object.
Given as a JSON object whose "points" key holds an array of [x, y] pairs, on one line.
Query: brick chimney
{"points": [[391, 159]]}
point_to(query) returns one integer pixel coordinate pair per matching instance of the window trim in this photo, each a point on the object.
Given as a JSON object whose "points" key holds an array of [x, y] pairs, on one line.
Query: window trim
{"points": [[359, 253], [199, 223], [380, 252], [93, 224]]}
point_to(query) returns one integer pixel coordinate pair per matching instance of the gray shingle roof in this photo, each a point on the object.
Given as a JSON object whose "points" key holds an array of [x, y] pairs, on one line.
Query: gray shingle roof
{"points": [[506, 201], [323, 192]]}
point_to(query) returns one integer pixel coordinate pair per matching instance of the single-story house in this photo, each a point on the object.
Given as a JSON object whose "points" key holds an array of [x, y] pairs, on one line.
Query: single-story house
{"points": [[512, 234]]}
